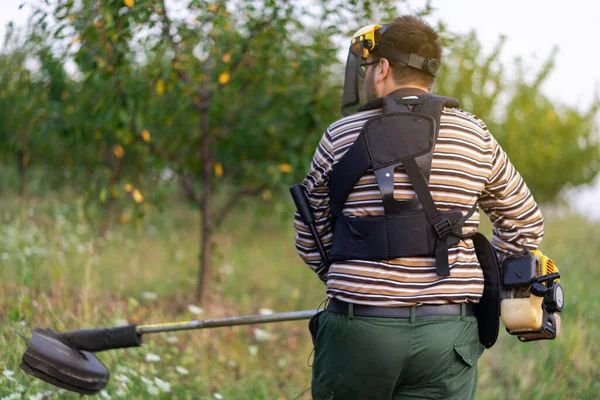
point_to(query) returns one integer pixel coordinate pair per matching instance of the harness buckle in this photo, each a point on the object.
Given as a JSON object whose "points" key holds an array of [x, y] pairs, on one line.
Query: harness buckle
{"points": [[443, 228]]}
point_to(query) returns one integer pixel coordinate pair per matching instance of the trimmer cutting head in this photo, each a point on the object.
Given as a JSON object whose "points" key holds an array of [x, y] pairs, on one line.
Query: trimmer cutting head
{"points": [[50, 360]]}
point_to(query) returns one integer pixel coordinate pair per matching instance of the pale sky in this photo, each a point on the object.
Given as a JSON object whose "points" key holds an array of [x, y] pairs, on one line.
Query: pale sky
{"points": [[532, 28]]}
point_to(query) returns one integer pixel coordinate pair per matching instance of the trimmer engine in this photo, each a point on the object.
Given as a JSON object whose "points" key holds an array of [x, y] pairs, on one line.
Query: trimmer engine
{"points": [[532, 296]]}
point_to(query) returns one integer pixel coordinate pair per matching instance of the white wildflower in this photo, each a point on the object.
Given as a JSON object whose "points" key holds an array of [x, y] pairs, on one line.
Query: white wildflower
{"points": [[13, 396], [8, 374], [227, 269], [122, 378], [21, 388], [167, 174], [38, 396], [151, 357], [171, 339], [122, 369], [126, 370], [22, 323], [162, 385], [195, 309], [105, 395], [182, 370], [121, 393], [253, 350], [152, 389], [265, 311], [261, 335], [147, 381], [121, 322], [149, 296], [218, 396]]}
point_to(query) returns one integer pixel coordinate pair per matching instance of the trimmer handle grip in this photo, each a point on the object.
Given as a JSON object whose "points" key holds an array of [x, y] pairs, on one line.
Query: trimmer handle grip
{"points": [[302, 204], [306, 213], [94, 340], [548, 278]]}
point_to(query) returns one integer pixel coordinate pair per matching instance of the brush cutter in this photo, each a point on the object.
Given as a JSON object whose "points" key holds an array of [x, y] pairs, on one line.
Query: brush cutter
{"points": [[66, 359]]}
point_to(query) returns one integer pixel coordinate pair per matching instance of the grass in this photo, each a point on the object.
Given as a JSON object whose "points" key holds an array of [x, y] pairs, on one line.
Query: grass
{"points": [[55, 272]]}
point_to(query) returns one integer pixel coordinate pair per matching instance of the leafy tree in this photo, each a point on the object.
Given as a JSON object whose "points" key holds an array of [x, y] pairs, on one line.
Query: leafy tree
{"points": [[552, 145], [21, 104]]}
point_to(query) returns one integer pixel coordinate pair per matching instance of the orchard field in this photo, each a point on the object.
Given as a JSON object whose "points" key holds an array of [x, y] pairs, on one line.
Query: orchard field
{"points": [[146, 150], [56, 273]]}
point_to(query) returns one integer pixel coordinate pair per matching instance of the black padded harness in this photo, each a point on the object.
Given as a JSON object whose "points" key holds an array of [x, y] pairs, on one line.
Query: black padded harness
{"points": [[404, 135]]}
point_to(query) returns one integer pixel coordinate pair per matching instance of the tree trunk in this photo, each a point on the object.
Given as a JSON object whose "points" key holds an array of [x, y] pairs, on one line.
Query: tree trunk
{"points": [[204, 272], [108, 217], [21, 167]]}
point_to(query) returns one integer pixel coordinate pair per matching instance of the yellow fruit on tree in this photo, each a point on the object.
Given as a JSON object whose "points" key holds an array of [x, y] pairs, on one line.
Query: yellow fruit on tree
{"points": [[218, 170], [146, 135], [160, 87], [137, 196], [118, 151], [285, 168], [224, 78], [129, 3]]}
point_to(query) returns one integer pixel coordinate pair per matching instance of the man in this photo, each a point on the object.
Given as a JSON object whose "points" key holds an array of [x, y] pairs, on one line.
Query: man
{"points": [[403, 326]]}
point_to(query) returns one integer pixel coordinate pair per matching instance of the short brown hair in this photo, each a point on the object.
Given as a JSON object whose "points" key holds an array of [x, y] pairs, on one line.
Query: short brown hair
{"points": [[410, 34]]}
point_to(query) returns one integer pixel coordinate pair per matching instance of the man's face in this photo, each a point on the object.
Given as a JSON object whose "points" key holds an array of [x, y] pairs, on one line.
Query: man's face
{"points": [[370, 84]]}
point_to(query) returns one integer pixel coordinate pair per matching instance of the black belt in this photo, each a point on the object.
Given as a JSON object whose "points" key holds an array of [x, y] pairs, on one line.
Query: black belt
{"points": [[425, 310]]}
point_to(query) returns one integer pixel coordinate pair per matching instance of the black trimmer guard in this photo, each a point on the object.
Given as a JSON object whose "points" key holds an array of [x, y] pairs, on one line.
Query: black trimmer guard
{"points": [[52, 361]]}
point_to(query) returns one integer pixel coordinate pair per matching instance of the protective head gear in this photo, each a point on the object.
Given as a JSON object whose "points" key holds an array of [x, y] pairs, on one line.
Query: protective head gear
{"points": [[367, 39]]}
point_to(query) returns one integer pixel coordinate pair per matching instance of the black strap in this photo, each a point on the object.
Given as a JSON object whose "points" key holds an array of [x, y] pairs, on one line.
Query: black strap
{"points": [[442, 225]]}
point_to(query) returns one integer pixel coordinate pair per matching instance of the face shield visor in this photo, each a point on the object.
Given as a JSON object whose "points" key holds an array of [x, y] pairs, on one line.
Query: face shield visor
{"points": [[363, 41]]}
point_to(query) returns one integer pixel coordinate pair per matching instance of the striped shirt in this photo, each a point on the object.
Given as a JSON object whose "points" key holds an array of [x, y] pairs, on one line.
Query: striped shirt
{"points": [[468, 167]]}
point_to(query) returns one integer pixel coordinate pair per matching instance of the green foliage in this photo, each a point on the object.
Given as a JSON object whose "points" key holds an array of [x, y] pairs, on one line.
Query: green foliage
{"points": [[553, 146]]}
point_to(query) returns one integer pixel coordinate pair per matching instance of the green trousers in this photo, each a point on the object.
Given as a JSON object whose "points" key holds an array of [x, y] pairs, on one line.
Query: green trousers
{"points": [[392, 358]]}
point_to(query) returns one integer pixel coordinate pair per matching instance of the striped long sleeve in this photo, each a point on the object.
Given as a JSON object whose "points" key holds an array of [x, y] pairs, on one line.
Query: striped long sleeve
{"points": [[315, 185], [468, 168], [506, 199]]}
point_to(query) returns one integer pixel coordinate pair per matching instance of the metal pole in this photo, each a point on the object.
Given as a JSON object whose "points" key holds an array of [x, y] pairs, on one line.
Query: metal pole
{"points": [[233, 321]]}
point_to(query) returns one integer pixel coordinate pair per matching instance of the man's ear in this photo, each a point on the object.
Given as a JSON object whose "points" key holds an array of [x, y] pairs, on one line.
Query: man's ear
{"points": [[386, 70]]}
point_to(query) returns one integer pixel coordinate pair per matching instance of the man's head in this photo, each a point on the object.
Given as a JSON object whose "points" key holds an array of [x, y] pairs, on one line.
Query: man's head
{"points": [[405, 34]]}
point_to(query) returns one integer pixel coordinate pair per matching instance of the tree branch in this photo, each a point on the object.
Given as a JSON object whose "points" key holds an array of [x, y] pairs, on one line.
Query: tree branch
{"points": [[228, 206], [166, 32], [188, 188]]}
